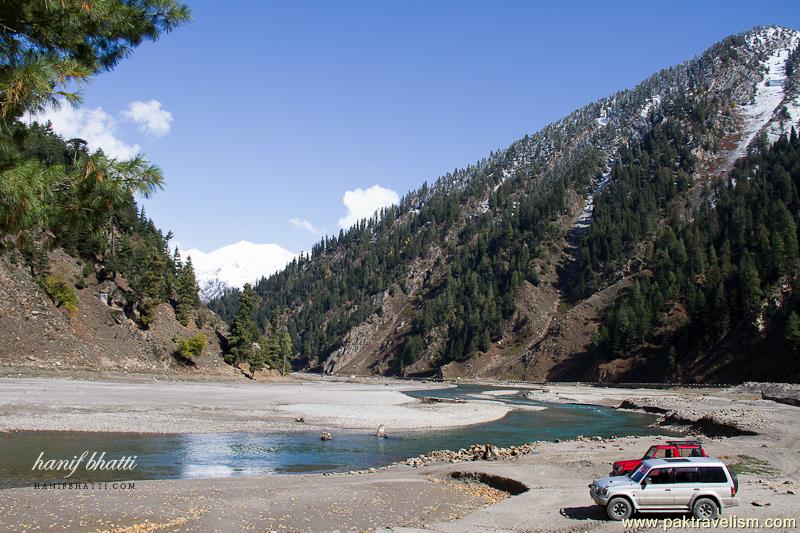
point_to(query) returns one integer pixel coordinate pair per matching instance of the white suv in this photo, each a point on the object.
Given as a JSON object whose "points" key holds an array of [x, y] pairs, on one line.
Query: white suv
{"points": [[702, 485]]}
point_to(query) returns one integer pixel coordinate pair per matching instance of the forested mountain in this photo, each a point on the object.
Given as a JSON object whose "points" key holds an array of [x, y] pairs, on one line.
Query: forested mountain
{"points": [[648, 235], [86, 279]]}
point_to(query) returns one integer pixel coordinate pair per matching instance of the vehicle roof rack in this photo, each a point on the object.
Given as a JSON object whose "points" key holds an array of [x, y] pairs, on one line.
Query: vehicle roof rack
{"points": [[679, 442], [677, 460]]}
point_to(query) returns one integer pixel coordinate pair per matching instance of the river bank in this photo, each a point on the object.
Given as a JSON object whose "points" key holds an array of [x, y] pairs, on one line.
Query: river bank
{"points": [[443, 492], [40, 404]]}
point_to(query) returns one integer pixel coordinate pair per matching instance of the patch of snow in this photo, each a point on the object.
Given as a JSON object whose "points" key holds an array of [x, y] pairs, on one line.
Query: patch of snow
{"points": [[234, 265], [652, 103], [506, 175], [768, 97], [783, 124], [793, 108], [585, 216]]}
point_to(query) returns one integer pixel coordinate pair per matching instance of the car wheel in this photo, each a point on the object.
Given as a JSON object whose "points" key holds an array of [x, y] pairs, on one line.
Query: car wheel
{"points": [[619, 508], [705, 509]]}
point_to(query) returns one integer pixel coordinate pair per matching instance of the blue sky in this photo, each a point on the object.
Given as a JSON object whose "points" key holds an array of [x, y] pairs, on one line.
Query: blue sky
{"points": [[278, 108]]}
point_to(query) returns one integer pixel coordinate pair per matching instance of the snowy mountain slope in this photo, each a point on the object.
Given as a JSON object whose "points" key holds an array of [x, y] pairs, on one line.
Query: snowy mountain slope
{"points": [[769, 93], [235, 264]]}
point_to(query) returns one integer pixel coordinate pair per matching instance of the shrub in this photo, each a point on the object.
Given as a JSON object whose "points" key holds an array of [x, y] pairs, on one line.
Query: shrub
{"points": [[187, 349], [88, 270], [62, 294], [200, 318], [147, 314]]}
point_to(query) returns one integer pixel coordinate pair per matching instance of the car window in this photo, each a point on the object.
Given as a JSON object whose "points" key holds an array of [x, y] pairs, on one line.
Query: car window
{"points": [[660, 476], [662, 453], [650, 452], [639, 474], [689, 452], [713, 474], [687, 475]]}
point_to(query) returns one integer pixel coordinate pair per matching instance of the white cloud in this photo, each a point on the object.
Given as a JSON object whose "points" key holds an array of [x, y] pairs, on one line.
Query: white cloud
{"points": [[306, 225], [150, 117], [362, 203], [94, 126]]}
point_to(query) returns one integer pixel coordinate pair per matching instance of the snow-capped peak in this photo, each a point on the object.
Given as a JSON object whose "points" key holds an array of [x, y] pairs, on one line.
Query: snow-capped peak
{"points": [[235, 264]]}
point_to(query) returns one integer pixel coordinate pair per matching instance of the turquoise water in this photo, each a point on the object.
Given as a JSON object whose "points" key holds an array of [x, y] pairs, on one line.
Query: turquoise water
{"points": [[235, 454]]}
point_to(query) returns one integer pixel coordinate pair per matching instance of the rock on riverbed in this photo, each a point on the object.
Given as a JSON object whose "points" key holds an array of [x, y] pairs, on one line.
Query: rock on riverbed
{"points": [[475, 452]]}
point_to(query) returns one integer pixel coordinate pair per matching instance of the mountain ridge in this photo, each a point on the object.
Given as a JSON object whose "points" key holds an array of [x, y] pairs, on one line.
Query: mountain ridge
{"points": [[455, 292]]}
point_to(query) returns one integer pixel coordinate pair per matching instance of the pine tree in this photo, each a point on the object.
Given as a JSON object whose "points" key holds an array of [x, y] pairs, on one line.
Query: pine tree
{"points": [[243, 329], [176, 260], [412, 349], [151, 286], [186, 291], [48, 46], [267, 354], [749, 286], [287, 351], [673, 366]]}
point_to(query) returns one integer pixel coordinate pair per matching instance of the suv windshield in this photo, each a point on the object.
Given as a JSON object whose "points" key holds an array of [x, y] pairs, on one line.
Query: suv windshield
{"points": [[650, 453], [639, 474]]}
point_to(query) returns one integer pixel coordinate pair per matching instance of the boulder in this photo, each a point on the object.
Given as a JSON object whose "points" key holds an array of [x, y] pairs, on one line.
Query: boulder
{"points": [[326, 435], [781, 393], [381, 433], [245, 369], [491, 453]]}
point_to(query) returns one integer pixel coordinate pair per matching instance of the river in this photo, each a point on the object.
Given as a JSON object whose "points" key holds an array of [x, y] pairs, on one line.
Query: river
{"points": [[239, 454]]}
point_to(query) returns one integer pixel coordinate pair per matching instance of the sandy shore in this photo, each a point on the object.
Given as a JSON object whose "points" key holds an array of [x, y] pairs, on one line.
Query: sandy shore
{"points": [[405, 498], [206, 407]]}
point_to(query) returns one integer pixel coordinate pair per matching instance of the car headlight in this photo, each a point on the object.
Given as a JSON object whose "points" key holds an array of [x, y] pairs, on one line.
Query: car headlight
{"points": [[601, 491]]}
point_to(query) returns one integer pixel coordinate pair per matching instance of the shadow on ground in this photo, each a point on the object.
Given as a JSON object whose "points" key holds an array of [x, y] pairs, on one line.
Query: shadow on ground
{"points": [[588, 512]]}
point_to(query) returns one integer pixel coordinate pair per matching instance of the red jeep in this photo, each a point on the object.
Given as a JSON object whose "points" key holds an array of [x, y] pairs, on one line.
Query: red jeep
{"points": [[673, 448]]}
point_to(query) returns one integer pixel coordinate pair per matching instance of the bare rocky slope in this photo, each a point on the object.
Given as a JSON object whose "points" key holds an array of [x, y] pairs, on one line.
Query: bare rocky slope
{"points": [[36, 335]]}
